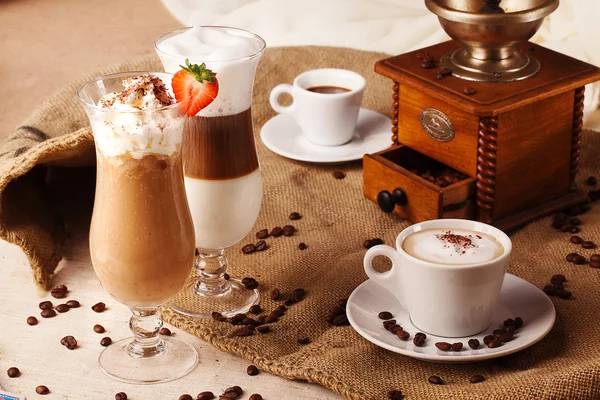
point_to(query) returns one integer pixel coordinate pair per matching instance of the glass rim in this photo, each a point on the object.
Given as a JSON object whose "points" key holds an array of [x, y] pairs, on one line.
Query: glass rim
{"points": [[172, 33], [124, 75]]}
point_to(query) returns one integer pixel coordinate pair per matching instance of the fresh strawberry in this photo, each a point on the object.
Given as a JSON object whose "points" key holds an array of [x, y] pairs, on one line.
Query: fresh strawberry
{"points": [[195, 87]]}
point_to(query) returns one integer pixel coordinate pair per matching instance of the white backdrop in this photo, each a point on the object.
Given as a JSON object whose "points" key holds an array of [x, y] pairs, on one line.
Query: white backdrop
{"points": [[391, 26]]}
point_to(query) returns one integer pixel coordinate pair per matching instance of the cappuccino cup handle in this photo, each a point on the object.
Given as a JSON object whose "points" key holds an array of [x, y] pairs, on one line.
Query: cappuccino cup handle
{"points": [[385, 279], [274, 98]]}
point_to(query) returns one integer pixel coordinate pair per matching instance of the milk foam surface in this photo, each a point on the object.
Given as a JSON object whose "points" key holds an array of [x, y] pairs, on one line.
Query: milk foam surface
{"points": [[225, 52], [223, 211], [134, 131], [452, 246]]}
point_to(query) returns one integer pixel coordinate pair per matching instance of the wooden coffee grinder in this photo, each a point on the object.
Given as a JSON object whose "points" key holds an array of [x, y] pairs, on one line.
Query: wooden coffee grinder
{"points": [[485, 127]]}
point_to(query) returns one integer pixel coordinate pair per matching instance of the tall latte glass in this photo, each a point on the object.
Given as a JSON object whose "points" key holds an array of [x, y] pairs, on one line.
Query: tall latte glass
{"points": [[141, 234], [222, 174]]}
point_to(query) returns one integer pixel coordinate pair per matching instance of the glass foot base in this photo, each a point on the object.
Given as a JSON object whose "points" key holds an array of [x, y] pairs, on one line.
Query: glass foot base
{"points": [[178, 359], [234, 301]]}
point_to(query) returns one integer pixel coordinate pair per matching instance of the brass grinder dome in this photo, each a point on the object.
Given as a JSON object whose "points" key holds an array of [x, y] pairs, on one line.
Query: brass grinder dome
{"points": [[489, 32]]}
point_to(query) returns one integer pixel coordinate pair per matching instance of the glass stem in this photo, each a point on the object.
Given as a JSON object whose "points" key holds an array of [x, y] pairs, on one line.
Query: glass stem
{"points": [[211, 266], [145, 324]]}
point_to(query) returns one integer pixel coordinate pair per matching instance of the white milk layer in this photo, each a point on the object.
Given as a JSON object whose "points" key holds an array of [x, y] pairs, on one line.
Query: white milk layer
{"points": [[223, 51], [452, 246], [224, 211]]}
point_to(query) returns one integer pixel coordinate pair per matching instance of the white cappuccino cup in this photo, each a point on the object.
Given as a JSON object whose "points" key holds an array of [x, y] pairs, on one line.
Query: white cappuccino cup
{"points": [[447, 274]]}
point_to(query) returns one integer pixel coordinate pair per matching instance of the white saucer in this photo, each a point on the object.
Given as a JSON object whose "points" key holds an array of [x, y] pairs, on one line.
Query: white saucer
{"points": [[282, 135], [519, 298]]}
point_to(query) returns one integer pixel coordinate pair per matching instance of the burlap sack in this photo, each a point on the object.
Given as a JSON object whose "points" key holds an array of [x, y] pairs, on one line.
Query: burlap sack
{"points": [[336, 220]]}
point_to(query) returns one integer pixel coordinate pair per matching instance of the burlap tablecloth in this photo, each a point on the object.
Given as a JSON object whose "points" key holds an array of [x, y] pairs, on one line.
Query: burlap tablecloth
{"points": [[336, 220]]}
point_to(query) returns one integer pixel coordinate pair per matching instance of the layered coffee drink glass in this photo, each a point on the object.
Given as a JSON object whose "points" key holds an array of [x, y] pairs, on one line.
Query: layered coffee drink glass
{"points": [[142, 238], [222, 174]]}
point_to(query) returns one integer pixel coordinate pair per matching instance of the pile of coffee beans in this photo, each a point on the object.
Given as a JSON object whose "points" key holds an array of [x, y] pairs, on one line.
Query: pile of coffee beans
{"points": [[442, 176], [337, 315], [262, 234], [557, 287]]}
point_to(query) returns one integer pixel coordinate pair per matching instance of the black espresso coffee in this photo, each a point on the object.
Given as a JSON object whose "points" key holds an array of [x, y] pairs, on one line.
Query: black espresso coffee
{"points": [[328, 89]]}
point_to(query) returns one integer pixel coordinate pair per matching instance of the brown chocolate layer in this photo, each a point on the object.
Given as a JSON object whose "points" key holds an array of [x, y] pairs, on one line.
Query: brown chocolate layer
{"points": [[219, 147]]}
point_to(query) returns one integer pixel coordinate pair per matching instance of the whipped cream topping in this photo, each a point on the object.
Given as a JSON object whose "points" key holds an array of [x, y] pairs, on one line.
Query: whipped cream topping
{"points": [[225, 52], [137, 130], [452, 246]]}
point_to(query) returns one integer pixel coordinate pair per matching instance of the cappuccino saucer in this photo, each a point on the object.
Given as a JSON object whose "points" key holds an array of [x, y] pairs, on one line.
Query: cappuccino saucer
{"points": [[282, 135], [518, 298]]}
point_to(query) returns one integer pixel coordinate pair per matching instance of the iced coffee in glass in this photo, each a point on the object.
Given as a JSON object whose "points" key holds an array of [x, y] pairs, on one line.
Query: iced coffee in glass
{"points": [[142, 238]]}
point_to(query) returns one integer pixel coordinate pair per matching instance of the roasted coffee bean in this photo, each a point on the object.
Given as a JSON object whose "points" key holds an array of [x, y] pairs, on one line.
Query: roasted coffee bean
{"points": [[165, 331], [237, 319], [519, 321], [205, 396], [574, 229], [282, 308], [436, 380], [276, 313], [550, 290], [488, 339], [444, 346], [252, 284], [48, 313], [234, 390], [567, 228], [62, 308], [217, 316], [99, 328], [576, 240], [261, 245], [595, 264], [338, 174], [255, 396], [473, 343], [558, 285], [419, 339], [367, 244], [476, 379], [121, 396], [558, 278], [304, 340], [13, 372], [226, 276], [469, 91], [341, 320], [73, 304], [277, 231], [506, 336], [244, 331], [261, 319], [41, 389], [298, 294], [402, 334], [105, 341], [571, 257], [271, 319], [45, 305], [250, 321], [275, 293], [186, 397], [263, 328], [579, 260], [588, 245], [249, 248], [591, 181], [387, 322], [288, 230], [510, 328], [457, 346], [99, 307], [595, 257], [385, 315], [262, 234], [563, 294], [32, 320], [302, 246], [494, 343], [69, 342], [497, 332], [289, 302], [59, 291], [509, 322], [395, 329], [395, 395], [295, 216], [252, 370], [427, 65], [575, 221], [255, 309]]}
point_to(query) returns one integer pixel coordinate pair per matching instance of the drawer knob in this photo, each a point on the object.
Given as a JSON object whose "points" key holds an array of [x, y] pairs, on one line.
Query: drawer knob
{"points": [[386, 201], [399, 196]]}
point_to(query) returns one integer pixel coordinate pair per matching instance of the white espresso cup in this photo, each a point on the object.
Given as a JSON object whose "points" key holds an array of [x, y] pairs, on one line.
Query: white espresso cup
{"points": [[448, 300], [327, 119]]}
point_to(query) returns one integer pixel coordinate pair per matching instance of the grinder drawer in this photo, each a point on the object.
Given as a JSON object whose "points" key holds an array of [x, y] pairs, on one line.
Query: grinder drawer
{"points": [[402, 181]]}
